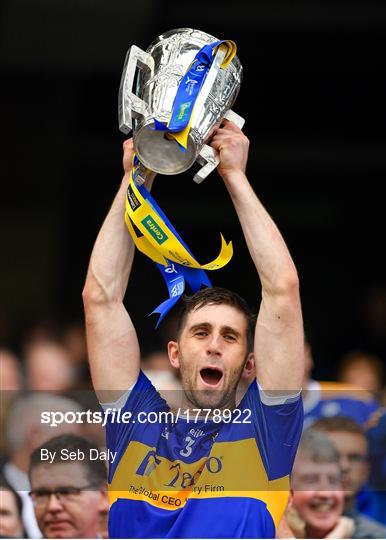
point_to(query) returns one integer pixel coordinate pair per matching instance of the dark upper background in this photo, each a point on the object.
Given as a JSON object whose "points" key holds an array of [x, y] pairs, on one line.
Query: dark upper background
{"points": [[314, 100]]}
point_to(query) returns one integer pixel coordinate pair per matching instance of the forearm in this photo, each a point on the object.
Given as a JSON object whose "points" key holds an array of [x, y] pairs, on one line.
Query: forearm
{"points": [[279, 329], [112, 256], [266, 246], [113, 253]]}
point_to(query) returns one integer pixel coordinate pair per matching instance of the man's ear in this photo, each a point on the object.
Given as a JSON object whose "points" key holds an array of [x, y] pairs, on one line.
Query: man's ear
{"points": [[173, 352], [249, 371], [104, 500]]}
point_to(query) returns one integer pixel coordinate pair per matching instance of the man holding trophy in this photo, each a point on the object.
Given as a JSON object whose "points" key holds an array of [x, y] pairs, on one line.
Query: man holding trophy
{"points": [[210, 469]]}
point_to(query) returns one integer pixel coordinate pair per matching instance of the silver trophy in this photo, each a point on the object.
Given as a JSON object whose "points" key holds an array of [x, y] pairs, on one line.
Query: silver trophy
{"points": [[156, 74]]}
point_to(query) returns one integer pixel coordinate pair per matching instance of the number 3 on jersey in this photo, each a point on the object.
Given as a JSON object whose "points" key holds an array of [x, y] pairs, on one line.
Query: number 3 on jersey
{"points": [[188, 448]]}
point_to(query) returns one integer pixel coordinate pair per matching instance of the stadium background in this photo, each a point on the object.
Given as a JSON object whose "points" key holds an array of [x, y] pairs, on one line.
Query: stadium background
{"points": [[313, 97]]}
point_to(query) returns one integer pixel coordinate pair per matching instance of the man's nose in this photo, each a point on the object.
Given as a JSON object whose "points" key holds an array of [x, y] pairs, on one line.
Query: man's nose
{"points": [[214, 345], [344, 463], [54, 504]]}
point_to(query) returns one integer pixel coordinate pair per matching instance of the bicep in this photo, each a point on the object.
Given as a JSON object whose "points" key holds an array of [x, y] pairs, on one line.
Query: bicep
{"points": [[113, 350], [279, 343]]}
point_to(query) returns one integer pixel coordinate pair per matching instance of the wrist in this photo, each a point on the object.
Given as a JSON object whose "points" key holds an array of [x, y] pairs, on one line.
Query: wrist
{"points": [[234, 179], [232, 175]]}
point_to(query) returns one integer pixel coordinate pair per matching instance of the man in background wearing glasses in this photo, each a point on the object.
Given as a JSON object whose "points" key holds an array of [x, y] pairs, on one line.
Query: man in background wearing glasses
{"points": [[351, 444], [69, 496]]}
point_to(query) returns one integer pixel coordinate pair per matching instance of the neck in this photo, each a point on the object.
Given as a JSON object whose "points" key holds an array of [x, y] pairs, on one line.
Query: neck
{"points": [[188, 404], [311, 532]]}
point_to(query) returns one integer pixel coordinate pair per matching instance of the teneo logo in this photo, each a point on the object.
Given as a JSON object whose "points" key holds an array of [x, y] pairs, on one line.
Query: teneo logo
{"points": [[154, 229], [133, 201], [174, 475]]}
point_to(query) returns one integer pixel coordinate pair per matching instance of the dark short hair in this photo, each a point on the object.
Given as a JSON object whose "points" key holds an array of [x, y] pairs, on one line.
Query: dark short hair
{"points": [[373, 363], [95, 469], [217, 296], [338, 423]]}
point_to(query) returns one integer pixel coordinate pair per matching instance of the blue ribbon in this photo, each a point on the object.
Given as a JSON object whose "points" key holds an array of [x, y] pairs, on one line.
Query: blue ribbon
{"points": [[175, 276], [188, 90]]}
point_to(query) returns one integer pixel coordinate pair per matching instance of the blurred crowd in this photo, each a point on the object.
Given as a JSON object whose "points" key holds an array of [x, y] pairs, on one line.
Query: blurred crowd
{"points": [[339, 477]]}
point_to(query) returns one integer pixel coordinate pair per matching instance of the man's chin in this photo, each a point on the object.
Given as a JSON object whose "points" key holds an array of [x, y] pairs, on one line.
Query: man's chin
{"points": [[60, 531], [209, 399]]}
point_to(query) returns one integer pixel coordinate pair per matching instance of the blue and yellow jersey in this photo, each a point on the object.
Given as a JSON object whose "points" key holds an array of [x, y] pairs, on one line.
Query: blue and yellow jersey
{"points": [[326, 399], [197, 478]]}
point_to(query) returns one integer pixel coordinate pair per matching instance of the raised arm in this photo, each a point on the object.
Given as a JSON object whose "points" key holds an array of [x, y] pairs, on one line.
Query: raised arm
{"points": [[113, 348], [279, 338]]}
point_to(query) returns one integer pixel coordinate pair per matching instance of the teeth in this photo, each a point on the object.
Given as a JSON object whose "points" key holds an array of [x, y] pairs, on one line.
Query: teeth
{"points": [[323, 507]]}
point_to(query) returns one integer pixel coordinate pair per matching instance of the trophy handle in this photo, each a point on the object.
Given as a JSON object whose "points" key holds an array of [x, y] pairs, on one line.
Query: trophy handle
{"points": [[129, 105], [209, 157]]}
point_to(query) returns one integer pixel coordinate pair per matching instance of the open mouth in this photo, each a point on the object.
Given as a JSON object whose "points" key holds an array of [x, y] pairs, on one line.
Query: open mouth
{"points": [[322, 506], [211, 376]]}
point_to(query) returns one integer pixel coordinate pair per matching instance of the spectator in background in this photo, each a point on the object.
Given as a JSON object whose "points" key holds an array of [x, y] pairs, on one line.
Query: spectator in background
{"points": [[317, 498], [351, 444], [362, 370], [373, 318], [11, 525], [49, 366], [376, 436], [24, 433], [329, 399], [11, 375], [69, 497], [11, 382], [74, 338]]}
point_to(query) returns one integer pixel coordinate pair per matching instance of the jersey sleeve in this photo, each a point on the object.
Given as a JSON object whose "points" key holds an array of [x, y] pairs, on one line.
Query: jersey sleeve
{"points": [[128, 421], [277, 425]]}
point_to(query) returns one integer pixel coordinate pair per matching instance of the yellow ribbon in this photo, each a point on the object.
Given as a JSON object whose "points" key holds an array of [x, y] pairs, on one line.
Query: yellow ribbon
{"points": [[158, 241], [230, 48]]}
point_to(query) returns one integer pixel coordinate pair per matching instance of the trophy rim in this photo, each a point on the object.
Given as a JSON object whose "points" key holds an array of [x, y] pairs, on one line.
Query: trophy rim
{"points": [[143, 132], [180, 30], [166, 35]]}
